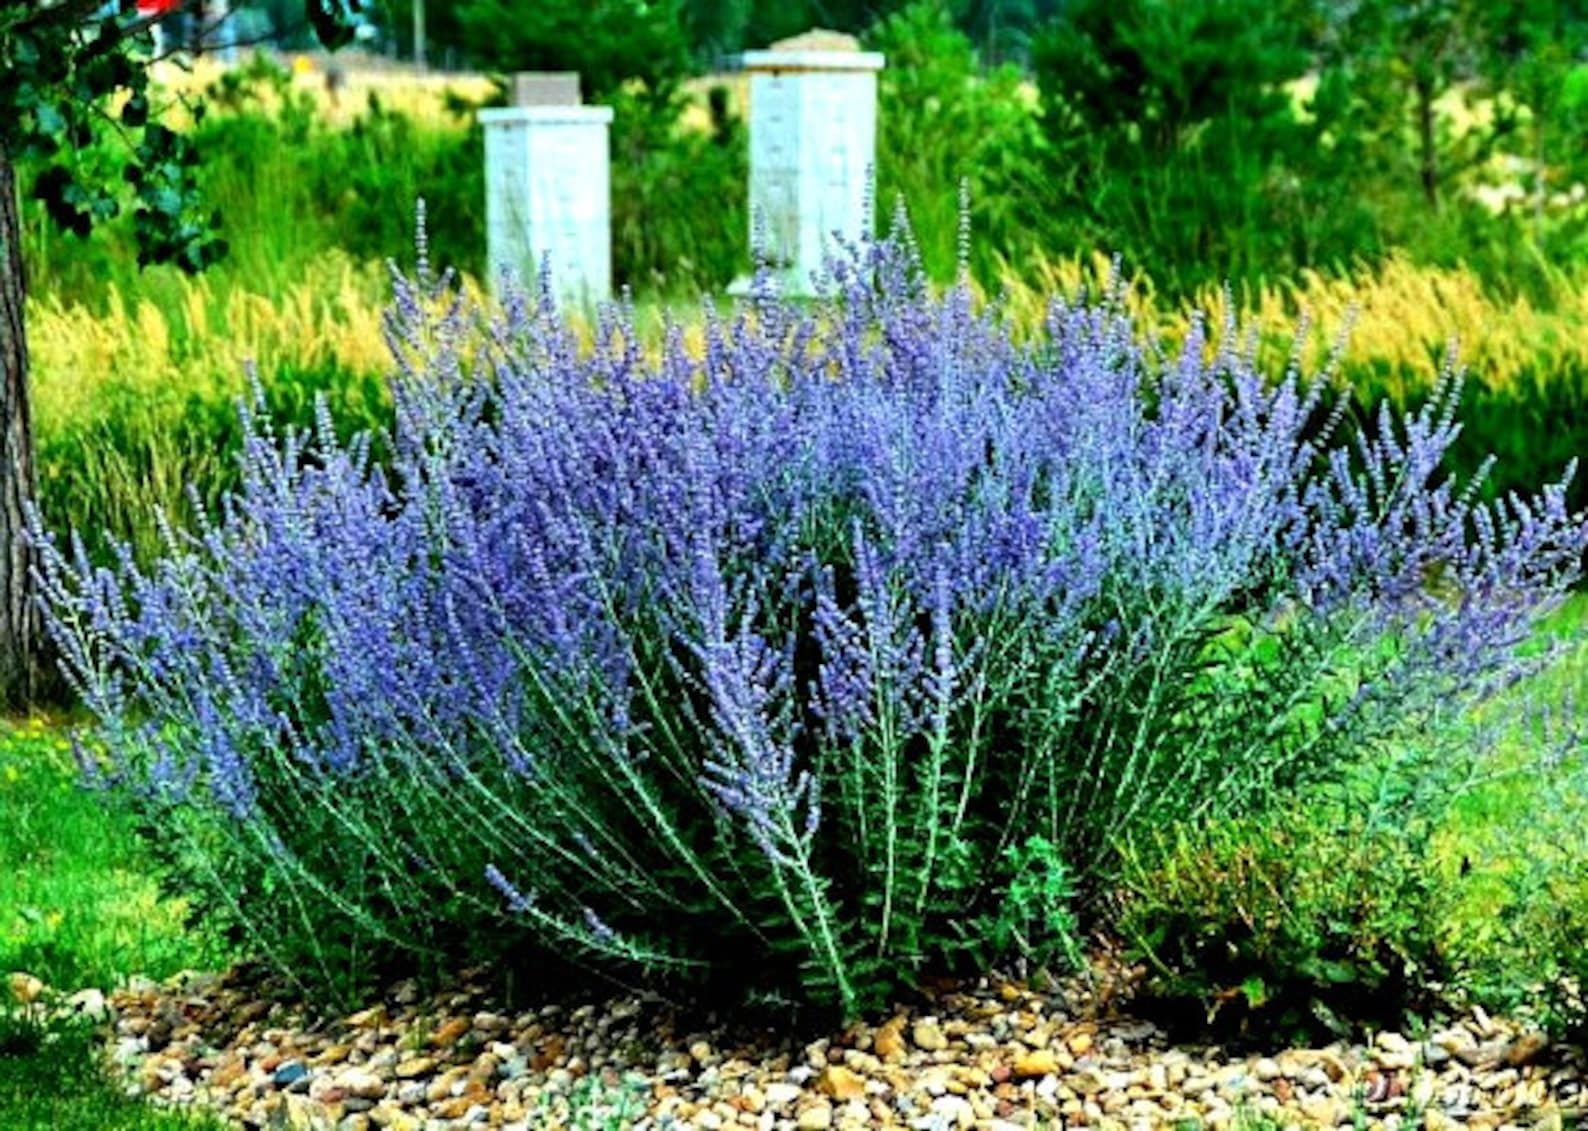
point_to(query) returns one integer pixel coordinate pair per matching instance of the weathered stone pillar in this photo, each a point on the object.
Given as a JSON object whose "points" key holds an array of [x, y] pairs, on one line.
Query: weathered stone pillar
{"points": [[547, 193], [813, 144]]}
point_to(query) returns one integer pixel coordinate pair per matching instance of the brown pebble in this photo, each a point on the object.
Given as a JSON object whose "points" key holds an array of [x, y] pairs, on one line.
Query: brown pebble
{"points": [[1526, 1049], [416, 1066], [449, 1033]]}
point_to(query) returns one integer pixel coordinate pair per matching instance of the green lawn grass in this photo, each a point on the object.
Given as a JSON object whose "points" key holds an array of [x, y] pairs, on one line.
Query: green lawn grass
{"points": [[52, 1079], [78, 904], [78, 907], [1529, 826], [1532, 717]]}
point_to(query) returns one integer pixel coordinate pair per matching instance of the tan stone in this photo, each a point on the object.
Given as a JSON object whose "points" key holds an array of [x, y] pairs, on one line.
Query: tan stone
{"points": [[25, 988], [1325, 1111], [818, 39], [1035, 1064], [90, 1004], [415, 1066], [817, 1118], [228, 1072], [372, 1018], [1526, 1049], [1549, 1120], [393, 1118], [361, 1083], [1088, 1082], [454, 1108], [840, 1083], [889, 1042], [442, 1086], [928, 1036], [1296, 1062]]}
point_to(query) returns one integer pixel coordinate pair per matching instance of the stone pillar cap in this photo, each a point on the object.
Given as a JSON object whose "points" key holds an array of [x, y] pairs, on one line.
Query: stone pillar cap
{"points": [[546, 115], [812, 61], [546, 88]]}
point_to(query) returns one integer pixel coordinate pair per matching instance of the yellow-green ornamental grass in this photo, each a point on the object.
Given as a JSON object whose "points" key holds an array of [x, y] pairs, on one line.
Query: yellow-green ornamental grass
{"points": [[187, 337], [1398, 322], [135, 402]]}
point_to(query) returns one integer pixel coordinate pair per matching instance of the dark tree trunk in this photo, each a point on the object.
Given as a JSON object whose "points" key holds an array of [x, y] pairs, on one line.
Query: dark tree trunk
{"points": [[1427, 142], [19, 620]]}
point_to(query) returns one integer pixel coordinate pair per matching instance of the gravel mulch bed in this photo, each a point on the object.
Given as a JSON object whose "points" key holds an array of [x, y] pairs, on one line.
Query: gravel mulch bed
{"points": [[995, 1056]]}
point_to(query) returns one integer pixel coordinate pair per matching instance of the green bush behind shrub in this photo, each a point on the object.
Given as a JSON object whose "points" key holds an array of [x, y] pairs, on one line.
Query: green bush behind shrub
{"points": [[1416, 885], [1267, 919]]}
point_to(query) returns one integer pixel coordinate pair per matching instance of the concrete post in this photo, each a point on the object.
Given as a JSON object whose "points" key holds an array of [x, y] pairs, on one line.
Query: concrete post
{"points": [[548, 198], [813, 143]]}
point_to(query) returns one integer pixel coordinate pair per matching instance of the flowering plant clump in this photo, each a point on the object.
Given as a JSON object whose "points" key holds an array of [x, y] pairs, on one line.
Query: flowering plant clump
{"points": [[850, 643]]}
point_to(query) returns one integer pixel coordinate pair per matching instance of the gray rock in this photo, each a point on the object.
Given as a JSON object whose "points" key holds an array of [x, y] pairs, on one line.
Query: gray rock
{"points": [[292, 1076]]}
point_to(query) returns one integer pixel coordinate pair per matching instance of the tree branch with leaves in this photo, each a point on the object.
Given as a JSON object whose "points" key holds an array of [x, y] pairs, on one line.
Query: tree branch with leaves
{"points": [[67, 67]]}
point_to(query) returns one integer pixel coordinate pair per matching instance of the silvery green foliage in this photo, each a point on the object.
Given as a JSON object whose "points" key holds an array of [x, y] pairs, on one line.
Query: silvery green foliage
{"points": [[753, 662]]}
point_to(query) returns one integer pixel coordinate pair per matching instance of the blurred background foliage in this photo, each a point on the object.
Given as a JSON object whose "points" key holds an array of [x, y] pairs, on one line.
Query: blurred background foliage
{"points": [[1200, 140]]}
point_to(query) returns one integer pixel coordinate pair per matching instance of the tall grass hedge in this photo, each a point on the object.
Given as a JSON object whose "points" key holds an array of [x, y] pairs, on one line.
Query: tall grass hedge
{"points": [[852, 643]]}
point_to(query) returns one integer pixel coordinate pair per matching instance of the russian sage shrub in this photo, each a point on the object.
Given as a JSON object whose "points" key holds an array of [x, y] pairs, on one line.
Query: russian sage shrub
{"points": [[831, 646]]}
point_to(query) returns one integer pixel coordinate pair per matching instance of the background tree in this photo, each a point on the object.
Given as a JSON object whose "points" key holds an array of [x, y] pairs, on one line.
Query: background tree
{"points": [[1153, 76], [1403, 59], [69, 68], [1178, 141], [936, 86], [717, 29], [1534, 60], [607, 41], [1002, 29]]}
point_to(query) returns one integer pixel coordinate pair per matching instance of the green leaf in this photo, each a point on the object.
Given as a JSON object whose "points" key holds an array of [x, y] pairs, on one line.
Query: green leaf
{"points": [[165, 200], [1255, 991], [24, 49], [56, 189], [1574, 90], [48, 119]]}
